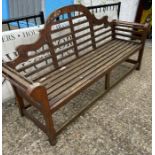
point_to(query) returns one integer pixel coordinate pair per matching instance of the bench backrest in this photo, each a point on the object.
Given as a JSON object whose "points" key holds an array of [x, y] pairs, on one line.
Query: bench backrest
{"points": [[76, 33]]}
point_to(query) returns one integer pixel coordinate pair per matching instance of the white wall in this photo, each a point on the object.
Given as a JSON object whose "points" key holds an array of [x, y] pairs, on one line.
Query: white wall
{"points": [[128, 10], [128, 7]]}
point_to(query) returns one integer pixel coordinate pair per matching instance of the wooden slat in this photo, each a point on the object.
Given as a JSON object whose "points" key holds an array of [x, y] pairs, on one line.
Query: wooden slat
{"points": [[85, 47], [131, 31], [100, 28], [64, 50], [73, 35], [39, 53], [53, 88], [71, 71], [92, 35], [65, 20], [74, 78], [78, 16], [102, 33], [38, 69], [81, 111], [16, 78], [79, 62], [101, 39], [47, 77], [74, 90], [81, 22], [60, 29], [82, 29], [130, 26], [90, 68], [84, 41], [36, 62], [127, 35], [102, 43], [35, 78], [64, 43], [62, 37], [83, 35]]}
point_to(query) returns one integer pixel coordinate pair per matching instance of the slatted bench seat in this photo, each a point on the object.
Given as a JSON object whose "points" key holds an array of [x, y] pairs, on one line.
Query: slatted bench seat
{"points": [[80, 73], [68, 57]]}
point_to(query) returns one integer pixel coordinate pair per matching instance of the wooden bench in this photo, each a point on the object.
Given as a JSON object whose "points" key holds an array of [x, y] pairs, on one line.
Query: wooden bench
{"points": [[69, 56]]}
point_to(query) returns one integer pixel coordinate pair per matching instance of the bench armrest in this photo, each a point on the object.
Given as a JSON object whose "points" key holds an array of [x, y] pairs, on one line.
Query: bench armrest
{"points": [[131, 24], [15, 78], [25, 86], [135, 30]]}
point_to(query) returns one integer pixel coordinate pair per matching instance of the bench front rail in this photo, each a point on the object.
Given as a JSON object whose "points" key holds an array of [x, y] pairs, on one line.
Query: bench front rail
{"points": [[69, 56]]}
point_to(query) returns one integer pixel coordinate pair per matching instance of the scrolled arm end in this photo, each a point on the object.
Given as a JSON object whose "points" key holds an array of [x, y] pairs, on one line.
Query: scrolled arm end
{"points": [[38, 92]]}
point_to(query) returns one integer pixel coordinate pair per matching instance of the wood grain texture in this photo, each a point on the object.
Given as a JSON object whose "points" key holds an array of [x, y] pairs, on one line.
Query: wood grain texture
{"points": [[53, 70]]}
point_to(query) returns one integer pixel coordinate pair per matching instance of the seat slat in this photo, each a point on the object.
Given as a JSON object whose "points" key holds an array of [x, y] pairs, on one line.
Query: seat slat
{"points": [[35, 78], [75, 64], [86, 71], [48, 76], [98, 73], [86, 65], [76, 77]]}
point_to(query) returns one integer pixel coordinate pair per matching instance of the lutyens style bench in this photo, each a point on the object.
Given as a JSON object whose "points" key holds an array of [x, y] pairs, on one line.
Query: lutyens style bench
{"points": [[70, 55]]}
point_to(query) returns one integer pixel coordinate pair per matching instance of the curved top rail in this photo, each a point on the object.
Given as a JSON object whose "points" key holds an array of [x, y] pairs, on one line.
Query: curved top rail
{"points": [[73, 8]]}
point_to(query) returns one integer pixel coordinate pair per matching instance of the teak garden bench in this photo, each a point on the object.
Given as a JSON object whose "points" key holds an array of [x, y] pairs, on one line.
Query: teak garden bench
{"points": [[70, 55]]}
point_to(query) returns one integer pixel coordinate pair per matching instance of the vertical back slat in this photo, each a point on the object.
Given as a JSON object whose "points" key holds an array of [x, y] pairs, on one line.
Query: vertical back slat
{"points": [[73, 34]]}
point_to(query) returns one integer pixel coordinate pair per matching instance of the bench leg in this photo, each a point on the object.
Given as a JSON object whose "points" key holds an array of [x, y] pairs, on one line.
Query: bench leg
{"points": [[107, 81], [40, 95], [50, 127], [19, 101], [139, 60]]}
